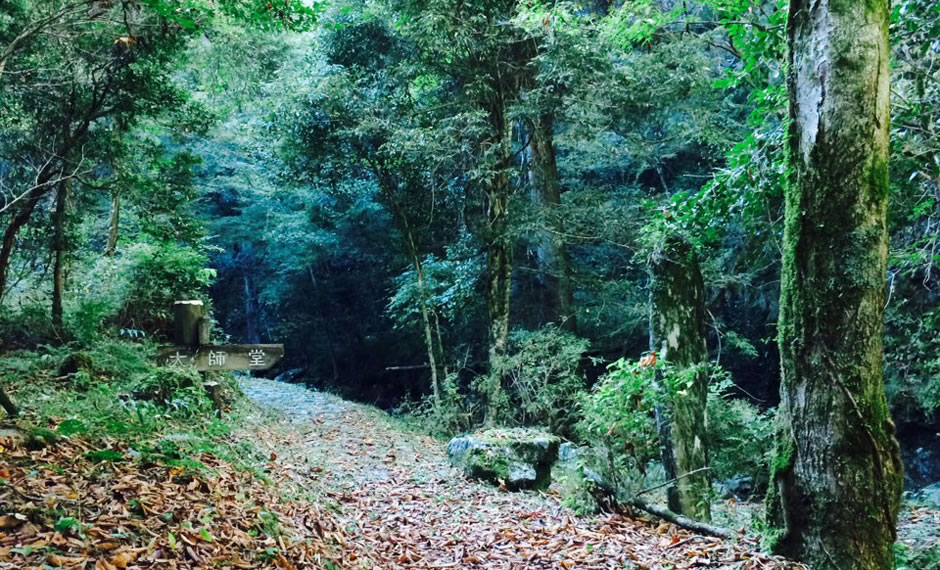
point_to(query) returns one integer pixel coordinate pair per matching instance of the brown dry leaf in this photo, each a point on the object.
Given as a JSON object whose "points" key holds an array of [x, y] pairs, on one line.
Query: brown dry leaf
{"points": [[102, 564], [57, 560], [123, 558], [9, 522]]}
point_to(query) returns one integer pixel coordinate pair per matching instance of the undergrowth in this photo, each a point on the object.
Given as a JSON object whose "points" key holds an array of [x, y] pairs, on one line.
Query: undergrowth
{"points": [[112, 395]]}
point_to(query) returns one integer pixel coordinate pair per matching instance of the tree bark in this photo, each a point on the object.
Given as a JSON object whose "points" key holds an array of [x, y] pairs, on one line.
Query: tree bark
{"points": [[59, 252], [114, 224], [677, 333], [7, 404], [553, 256], [499, 253], [20, 218], [666, 454], [836, 477]]}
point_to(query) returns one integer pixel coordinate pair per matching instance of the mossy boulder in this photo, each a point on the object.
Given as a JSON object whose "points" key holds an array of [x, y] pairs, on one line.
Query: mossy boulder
{"points": [[519, 458]]}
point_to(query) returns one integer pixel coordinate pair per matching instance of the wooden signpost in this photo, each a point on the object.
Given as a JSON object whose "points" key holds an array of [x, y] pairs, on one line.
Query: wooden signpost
{"points": [[192, 347]]}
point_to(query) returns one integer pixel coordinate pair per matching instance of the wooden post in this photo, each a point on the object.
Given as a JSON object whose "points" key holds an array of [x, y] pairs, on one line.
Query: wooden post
{"points": [[187, 316], [191, 328], [204, 331], [193, 349]]}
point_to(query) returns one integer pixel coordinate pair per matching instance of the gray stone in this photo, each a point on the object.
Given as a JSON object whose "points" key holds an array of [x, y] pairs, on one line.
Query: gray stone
{"points": [[292, 375], [518, 458], [929, 496], [568, 453], [740, 487]]}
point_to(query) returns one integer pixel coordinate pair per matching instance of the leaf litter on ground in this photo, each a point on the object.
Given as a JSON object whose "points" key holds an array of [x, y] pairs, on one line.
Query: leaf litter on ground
{"points": [[63, 509], [341, 486], [405, 507]]}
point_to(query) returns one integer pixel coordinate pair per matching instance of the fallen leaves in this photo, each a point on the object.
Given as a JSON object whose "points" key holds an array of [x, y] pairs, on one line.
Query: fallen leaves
{"points": [[387, 500], [62, 509], [418, 513]]}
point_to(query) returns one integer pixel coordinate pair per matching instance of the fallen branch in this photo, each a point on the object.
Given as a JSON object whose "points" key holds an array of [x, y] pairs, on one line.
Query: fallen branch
{"points": [[672, 481], [684, 522]]}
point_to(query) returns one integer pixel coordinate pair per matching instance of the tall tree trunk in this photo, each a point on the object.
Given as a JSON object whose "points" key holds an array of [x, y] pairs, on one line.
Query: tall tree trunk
{"points": [[666, 454], [837, 473], [429, 318], [58, 248], [677, 331], [114, 224], [499, 253], [553, 253], [435, 350], [428, 334]]}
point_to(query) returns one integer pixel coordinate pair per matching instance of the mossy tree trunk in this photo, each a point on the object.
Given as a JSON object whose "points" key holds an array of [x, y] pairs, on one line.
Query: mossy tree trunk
{"points": [[554, 262], [497, 152], [677, 334], [836, 478]]}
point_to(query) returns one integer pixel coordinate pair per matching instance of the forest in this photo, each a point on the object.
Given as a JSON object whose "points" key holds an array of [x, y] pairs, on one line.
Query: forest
{"points": [[470, 284]]}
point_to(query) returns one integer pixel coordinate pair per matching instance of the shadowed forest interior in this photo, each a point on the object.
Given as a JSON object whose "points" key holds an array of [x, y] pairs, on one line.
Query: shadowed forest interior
{"points": [[639, 259]]}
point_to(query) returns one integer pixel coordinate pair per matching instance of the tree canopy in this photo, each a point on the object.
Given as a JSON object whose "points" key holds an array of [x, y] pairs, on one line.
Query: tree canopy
{"points": [[629, 223]]}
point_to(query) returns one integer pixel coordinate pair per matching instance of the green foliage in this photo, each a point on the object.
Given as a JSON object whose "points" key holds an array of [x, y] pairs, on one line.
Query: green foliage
{"points": [[162, 274], [72, 427], [739, 436], [619, 413], [912, 374], [104, 455], [172, 387], [619, 421], [542, 376], [908, 558]]}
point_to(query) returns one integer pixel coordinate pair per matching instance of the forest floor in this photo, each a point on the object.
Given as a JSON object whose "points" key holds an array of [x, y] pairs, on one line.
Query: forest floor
{"points": [[403, 506], [297, 479]]}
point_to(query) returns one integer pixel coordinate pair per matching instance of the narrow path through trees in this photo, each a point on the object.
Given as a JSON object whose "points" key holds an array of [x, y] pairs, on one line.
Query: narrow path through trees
{"points": [[407, 508]]}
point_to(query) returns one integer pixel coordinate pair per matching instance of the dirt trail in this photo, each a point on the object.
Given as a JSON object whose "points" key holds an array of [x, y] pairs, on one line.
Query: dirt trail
{"points": [[407, 508]]}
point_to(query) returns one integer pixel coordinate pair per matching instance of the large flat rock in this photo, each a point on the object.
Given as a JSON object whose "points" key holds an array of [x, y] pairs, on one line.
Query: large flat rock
{"points": [[519, 458]]}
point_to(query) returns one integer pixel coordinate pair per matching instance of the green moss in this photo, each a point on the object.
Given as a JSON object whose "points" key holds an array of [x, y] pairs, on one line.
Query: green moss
{"points": [[38, 438], [880, 185], [782, 459]]}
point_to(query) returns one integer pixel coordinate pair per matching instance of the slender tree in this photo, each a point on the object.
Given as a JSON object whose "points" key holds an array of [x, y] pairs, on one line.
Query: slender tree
{"points": [[553, 258], [837, 472], [677, 333], [59, 252]]}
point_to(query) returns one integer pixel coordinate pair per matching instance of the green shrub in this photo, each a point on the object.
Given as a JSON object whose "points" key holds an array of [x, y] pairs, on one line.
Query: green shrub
{"points": [[164, 272], [177, 388], [26, 327], [912, 362], [620, 424], [542, 379], [619, 421], [926, 558], [739, 435]]}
